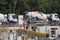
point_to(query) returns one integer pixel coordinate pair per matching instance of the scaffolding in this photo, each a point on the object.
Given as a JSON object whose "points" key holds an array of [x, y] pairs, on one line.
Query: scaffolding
{"points": [[18, 30]]}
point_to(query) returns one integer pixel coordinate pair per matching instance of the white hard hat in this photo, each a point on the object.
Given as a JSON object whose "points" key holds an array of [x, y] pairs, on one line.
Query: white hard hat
{"points": [[5, 15]]}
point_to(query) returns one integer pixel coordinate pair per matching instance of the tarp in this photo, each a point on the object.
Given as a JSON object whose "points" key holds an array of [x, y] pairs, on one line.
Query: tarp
{"points": [[20, 19]]}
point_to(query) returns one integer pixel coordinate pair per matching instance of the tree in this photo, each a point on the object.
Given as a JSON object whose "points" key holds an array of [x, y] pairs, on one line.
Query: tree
{"points": [[20, 6]]}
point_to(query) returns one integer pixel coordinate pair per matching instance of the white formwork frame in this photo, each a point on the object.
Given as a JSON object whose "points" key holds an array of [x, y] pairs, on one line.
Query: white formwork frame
{"points": [[12, 36]]}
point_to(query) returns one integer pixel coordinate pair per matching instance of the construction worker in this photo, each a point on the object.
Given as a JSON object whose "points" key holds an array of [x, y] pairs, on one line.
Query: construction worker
{"points": [[27, 27], [34, 27], [49, 19], [24, 37]]}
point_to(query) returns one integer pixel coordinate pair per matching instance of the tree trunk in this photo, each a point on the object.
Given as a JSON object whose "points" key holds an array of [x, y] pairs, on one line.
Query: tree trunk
{"points": [[9, 5], [14, 6]]}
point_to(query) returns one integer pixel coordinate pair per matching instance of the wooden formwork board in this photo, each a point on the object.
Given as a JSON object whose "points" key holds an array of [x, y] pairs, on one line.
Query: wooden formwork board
{"points": [[7, 29]]}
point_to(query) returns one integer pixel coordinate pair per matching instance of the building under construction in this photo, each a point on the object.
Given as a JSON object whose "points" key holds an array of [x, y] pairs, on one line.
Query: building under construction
{"points": [[21, 33], [30, 30]]}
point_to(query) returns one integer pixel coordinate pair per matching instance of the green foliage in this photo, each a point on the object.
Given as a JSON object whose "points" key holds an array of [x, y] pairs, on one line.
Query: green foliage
{"points": [[20, 6]]}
